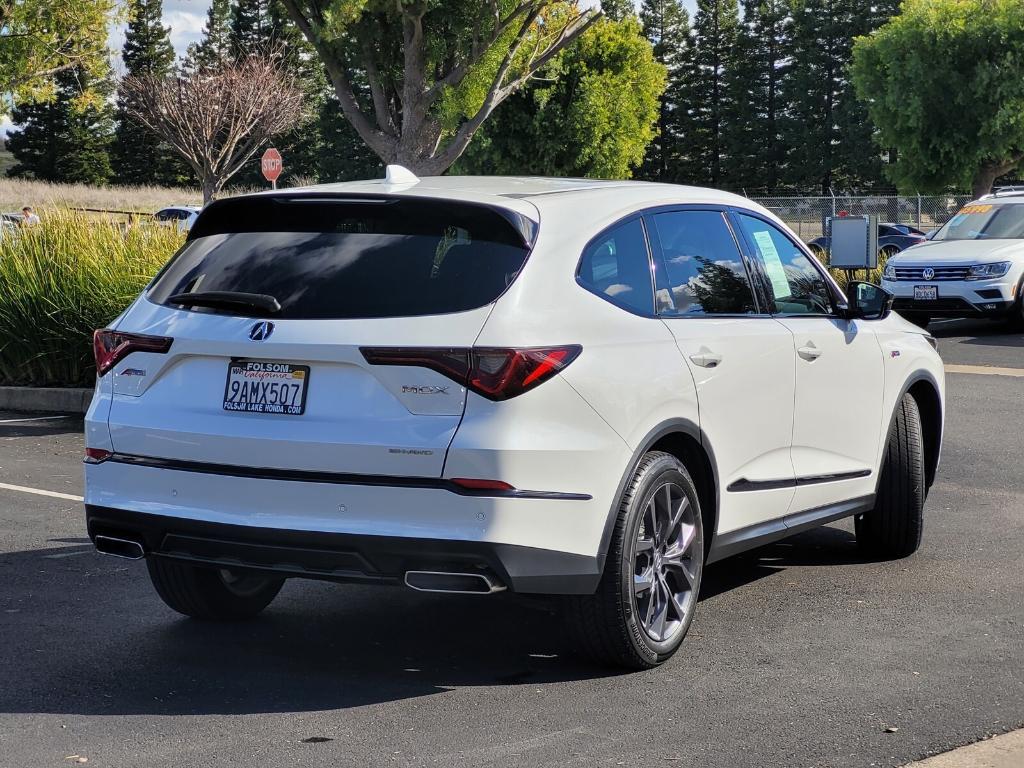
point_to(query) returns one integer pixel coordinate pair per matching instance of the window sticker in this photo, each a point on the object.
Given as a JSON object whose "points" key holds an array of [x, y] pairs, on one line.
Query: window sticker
{"points": [[773, 264], [967, 209]]}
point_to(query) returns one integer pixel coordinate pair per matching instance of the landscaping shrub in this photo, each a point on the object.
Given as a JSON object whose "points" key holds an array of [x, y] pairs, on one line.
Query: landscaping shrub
{"points": [[62, 279]]}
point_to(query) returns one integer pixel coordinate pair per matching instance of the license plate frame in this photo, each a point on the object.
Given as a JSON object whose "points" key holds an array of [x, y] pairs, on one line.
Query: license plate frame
{"points": [[264, 379], [926, 292]]}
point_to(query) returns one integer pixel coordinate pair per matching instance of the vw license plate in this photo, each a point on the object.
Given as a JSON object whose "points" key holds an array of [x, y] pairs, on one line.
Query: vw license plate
{"points": [[926, 292], [266, 386]]}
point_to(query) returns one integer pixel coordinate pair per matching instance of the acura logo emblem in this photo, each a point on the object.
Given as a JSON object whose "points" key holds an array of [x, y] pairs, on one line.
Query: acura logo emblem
{"points": [[928, 273], [261, 331]]}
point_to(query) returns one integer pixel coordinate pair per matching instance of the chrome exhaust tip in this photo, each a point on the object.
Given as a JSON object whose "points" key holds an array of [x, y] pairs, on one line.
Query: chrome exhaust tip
{"points": [[126, 548], [450, 582]]}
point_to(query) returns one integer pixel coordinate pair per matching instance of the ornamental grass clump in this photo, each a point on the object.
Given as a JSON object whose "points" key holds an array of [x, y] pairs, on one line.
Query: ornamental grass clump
{"points": [[62, 279]]}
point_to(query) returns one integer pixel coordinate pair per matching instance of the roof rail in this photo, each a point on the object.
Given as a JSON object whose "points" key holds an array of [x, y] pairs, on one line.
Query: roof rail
{"points": [[1011, 190]]}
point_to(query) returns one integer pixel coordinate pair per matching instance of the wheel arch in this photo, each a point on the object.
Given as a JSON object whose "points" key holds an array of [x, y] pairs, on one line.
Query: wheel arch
{"points": [[925, 391], [684, 440]]}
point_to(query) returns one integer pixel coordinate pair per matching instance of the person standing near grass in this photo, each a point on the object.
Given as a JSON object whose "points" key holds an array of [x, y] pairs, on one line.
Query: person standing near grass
{"points": [[28, 217]]}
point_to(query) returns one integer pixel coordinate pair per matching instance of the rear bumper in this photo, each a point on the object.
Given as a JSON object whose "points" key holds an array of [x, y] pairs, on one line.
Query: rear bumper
{"points": [[344, 557], [348, 531]]}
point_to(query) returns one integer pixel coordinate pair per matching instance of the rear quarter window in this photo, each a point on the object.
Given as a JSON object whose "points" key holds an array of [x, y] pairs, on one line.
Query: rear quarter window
{"points": [[350, 258]]}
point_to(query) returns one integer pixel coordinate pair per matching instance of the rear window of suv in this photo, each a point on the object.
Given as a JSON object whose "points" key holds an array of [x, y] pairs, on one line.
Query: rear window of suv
{"points": [[325, 258]]}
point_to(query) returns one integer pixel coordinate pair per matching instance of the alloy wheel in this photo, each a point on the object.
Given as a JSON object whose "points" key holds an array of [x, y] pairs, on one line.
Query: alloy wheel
{"points": [[667, 563]]}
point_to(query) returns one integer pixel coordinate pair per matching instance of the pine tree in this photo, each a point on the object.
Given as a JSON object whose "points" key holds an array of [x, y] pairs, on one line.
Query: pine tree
{"points": [[215, 48], [63, 140], [715, 26], [828, 133], [253, 26], [667, 26], [617, 10], [262, 25], [138, 156], [754, 153]]}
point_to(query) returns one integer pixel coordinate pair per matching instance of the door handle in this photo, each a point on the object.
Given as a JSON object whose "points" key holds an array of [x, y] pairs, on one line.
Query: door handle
{"points": [[809, 352], [706, 359]]}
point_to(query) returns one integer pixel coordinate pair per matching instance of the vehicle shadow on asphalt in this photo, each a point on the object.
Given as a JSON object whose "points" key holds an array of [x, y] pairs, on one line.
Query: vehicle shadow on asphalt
{"points": [[85, 634], [979, 332]]}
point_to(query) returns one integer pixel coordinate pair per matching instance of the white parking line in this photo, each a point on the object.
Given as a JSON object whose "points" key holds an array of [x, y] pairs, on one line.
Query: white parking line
{"points": [[33, 418], [985, 370], [40, 492]]}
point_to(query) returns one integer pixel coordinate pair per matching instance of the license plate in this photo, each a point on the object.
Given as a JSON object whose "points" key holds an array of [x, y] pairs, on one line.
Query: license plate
{"points": [[926, 292], [266, 386]]}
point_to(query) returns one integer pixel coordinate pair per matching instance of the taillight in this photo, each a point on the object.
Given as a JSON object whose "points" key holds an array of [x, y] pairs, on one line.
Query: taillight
{"points": [[96, 455], [495, 373], [110, 347], [477, 484]]}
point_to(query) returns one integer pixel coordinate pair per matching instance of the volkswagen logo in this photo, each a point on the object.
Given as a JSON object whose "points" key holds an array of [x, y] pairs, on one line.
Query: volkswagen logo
{"points": [[261, 331], [928, 273]]}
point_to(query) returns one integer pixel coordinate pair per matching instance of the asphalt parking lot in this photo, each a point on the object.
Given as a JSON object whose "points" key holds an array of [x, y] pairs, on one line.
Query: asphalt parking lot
{"points": [[801, 654]]}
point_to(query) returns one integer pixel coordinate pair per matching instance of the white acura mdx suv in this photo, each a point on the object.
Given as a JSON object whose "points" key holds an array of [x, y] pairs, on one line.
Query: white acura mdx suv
{"points": [[580, 388], [972, 267]]}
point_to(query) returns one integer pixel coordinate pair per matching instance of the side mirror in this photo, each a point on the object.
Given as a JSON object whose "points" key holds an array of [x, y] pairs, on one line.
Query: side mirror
{"points": [[867, 301]]}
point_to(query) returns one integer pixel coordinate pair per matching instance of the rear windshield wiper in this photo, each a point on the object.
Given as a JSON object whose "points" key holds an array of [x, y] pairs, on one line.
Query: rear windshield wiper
{"points": [[228, 300]]}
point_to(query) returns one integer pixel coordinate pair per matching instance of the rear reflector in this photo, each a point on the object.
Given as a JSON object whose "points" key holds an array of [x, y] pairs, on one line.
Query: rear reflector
{"points": [[96, 455], [497, 373], [475, 484], [110, 347]]}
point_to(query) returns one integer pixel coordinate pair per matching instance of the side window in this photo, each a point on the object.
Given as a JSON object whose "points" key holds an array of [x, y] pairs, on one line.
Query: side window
{"points": [[797, 287], [616, 267], [704, 270]]}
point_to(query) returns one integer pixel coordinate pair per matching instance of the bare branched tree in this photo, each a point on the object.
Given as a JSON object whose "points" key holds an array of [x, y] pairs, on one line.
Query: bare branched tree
{"points": [[218, 119]]}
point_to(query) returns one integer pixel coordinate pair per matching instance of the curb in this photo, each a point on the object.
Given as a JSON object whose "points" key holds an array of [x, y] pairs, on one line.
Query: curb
{"points": [[45, 399]]}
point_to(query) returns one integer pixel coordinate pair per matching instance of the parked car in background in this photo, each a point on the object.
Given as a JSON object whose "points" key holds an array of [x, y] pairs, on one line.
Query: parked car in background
{"points": [[892, 238], [180, 216], [972, 267], [579, 388]]}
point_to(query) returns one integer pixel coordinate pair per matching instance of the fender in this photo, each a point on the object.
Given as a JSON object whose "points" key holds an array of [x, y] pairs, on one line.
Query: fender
{"points": [[668, 427], [917, 376]]}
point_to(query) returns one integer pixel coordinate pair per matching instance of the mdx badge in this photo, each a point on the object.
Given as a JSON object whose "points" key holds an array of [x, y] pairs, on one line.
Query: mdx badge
{"points": [[423, 389], [261, 331]]}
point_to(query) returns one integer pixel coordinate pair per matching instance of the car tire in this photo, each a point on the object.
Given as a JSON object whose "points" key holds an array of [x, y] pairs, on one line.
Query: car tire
{"points": [[213, 594], [1017, 313], [893, 528], [646, 598]]}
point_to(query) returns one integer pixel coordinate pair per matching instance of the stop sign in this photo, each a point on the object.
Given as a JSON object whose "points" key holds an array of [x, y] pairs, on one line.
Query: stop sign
{"points": [[271, 164]]}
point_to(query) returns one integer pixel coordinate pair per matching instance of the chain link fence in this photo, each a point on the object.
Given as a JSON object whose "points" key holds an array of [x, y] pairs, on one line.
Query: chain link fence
{"points": [[808, 216]]}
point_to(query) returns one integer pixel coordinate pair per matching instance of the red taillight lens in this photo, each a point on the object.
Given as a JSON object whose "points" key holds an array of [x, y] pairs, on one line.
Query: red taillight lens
{"points": [[475, 484], [500, 374], [96, 455], [110, 347], [495, 373]]}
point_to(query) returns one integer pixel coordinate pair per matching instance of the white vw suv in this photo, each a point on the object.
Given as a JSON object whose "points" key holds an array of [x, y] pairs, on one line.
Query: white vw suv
{"points": [[580, 388], [972, 267]]}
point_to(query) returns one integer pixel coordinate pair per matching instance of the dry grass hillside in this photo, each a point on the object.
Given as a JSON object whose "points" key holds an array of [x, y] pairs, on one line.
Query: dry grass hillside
{"points": [[16, 193]]}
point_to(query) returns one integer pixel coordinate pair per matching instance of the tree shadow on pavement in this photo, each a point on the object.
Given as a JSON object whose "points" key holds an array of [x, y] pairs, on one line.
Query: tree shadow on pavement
{"points": [[85, 634]]}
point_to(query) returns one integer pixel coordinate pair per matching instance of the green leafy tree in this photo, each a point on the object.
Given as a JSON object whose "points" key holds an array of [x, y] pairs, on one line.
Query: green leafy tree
{"points": [[344, 156], [944, 83], [215, 49], [62, 140], [827, 130], [591, 113], [715, 26], [754, 152], [39, 39], [417, 79], [138, 156], [667, 26]]}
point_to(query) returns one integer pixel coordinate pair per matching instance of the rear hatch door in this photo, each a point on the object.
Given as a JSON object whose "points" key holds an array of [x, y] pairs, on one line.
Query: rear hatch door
{"points": [[290, 389]]}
